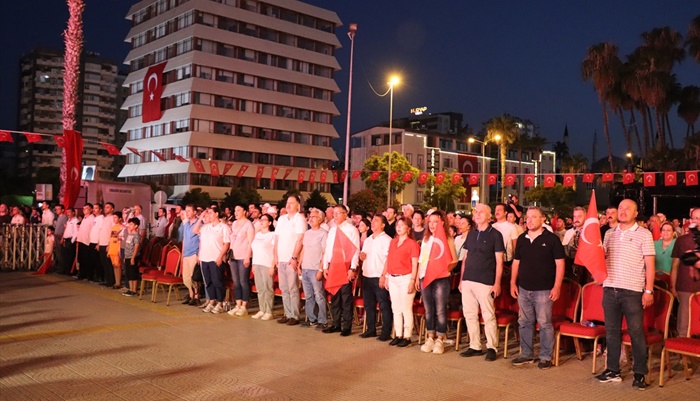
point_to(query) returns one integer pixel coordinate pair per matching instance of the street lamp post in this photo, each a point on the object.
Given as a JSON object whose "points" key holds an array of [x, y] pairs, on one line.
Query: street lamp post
{"points": [[351, 35], [393, 81], [482, 184]]}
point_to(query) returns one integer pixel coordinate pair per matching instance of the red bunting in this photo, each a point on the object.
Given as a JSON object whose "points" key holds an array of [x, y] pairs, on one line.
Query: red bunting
{"points": [[649, 179], [6, 136], [422, 178], [241, 171], [324, 174], [588, 177], [158, 155], [335, 176], [691, 178], [407, 176], [374, 175], [394, 175], [529, 180], [549, 180], [259, 173], [670, 178], [456, 178], [32, 138], [273, 175], [356, 174], [510, 179], [473, 179], [134, 151], [608, 177], [180, 159], [492, 179], [286, 173], [214, 168], [227, 167], [343, 175], [60, 141], [569, 180], [300, 176], [111, 149], [439, 178], [312, 176], [198, 166], [627, 178]]}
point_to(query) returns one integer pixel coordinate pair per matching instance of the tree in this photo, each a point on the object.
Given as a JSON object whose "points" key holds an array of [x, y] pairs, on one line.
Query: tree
{"points": [[692, 39], [316, 200], [558, 199], [365, 201], [379, 163], [443, 195], [242, 196], [689, 107], [283, 202], [505, 129], [197, 198]]}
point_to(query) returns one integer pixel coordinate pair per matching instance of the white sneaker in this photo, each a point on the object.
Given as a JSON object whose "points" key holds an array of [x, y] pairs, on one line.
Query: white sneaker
{"points": [[242, 312], [258, 315], [267, 316], [428, 346], [208, 308], [218, 309], [233, 311], [439, 348]]}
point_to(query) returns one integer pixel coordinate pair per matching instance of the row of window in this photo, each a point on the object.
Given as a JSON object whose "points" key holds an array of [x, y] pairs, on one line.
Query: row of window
{"points": [[154, 10], [174, 25]]}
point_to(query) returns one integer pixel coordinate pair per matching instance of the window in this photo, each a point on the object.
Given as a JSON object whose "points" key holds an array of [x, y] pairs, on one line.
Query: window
{"points": [[409, 158], [447, 163], [420, 161], [283, 160]]}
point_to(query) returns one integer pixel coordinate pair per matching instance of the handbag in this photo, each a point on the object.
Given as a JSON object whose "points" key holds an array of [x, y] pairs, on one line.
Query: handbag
{"points": [[197, 273]]}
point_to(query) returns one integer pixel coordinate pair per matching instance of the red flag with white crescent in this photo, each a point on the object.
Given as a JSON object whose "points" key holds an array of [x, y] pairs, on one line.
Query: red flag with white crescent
{"points": [[273, 174], [242, 170], [374, 175], [510, 179], [286, 173], [691, 178], [198, 166], [590, 251], [300, 176], [227, 167], [569, 180], [456, 178], [324, 174], [473, 179], [608, 177], [152, 92], [549, 180], [32, 137], [6, 136], [132, 150], [259, 173], [407, 176], [649, 179], [439, 178], [111, 149], [343, 175], [423, 177], [158, 155], [529, 180], [343, 252], [74, 160], [394, 175], [588, 177], [60, 142], [356, 174], [627, 178], [335, 176], [214, 168], [492, 179], [439, 259], [312, 176], [670, 178], [180, 159]]}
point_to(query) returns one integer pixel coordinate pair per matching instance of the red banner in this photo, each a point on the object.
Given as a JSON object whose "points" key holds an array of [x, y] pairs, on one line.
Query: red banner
{"points": [[649, 179], [627, 178], [324, 174], [74, 161], [588, 177], [273, 175], [152, 91], [6, 136], [473, 179], [374, 175], [456, 178], [259, 173], [549, 180], [335, 176], [111, 149], [670, 178], [569, 180], [691, 178], [510, 179], [356, 174], [241, 171], [198, 166], [394, 175], [227, 167], [300, 176], [467, 164], [529, 180], [422, 178], [608, 177], [214, 168], [492, 179]]}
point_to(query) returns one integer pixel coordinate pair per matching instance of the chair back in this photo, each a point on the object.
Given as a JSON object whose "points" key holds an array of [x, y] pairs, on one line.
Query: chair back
{"points": [[172, 261], [569, 300], [504, 301], [146, 253], [694, 322], [163, 254], [592, 303], [155, 255], [663, 304]]}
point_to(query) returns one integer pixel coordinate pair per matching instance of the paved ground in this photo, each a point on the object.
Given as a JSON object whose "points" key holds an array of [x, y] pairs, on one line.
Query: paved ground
{"points": [[67, 340]]}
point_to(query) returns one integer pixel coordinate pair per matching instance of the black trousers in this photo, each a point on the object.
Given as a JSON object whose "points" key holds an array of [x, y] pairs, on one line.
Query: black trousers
{"points": [[97, 270], [341, 307], [371, 294], [85, 260], [107, 268], [69, 256]]}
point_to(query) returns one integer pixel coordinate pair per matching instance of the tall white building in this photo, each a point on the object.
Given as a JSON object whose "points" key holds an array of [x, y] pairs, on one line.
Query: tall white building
{"points": [[248, 82]]}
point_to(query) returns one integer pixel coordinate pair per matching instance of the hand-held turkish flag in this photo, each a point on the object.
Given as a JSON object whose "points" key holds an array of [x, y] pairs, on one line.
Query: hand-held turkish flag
{"points": [[74, 160], [439, 259], [343, 252], [492, 179], [691, 178], [111, 149], [590, 251], [152, 91]]}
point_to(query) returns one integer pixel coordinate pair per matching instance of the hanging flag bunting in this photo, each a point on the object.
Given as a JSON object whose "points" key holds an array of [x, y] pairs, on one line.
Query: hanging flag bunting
{"points": [[227, 167], [394, 175], [649, 179], [60, 142], [492, 179], [214, 168], [691, 178], [473, 179], [627, 178], [670, 178], [356, 174], [6, 136], [286, 173], [407, 176], [510, 179], [343, 175], [312, 176], [422, 178], [152, 92], [588, 177], [259, 173], [608, 177], [324, 174], [335, 176], [134, 151], [439, 178], [273, 174], [241, 171], [456, 178], [374, 175], [158, 155], [111, 149], [529, 180], [198, 166], [549, 180], [180, 159], [569, 180], [31, 137], [300, 176]]}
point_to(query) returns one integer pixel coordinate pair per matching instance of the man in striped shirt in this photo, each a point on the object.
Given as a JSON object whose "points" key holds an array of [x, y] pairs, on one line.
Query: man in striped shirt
{"points": [[628, 289]]}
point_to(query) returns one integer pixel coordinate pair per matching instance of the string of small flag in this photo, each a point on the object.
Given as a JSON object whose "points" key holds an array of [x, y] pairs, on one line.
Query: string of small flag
{"points": [[670, 178]]}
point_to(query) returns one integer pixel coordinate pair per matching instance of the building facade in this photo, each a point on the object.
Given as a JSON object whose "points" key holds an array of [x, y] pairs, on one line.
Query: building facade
{"points": [[245, 82], [40, 111]]}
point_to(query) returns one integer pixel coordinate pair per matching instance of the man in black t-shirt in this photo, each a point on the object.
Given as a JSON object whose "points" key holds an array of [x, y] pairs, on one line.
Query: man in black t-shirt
{"points": [[536, 277]]}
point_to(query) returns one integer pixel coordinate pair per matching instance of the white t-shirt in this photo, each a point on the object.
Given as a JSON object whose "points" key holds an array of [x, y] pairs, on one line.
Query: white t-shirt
{"points": [[286, 232], [95, 230], [106, 230], [263, 245], [85, 228], [376, 250], [47, 217], [509, 233], [212, 239]]}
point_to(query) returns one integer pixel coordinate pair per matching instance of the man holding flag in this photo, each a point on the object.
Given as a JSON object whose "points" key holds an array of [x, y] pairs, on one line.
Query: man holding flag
{"points": [[340, 262]]}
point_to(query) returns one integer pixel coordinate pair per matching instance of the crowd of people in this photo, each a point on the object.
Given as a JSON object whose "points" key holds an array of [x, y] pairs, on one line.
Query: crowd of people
{"points": [[389, 255]]}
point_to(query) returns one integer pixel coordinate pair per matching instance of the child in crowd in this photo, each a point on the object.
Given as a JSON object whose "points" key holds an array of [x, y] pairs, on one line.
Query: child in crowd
{"points": [[131, 249], [47, 256], [113, 249]]}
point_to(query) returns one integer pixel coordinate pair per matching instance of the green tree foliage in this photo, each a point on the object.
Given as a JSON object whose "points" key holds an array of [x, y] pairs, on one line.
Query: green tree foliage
{"points": [[316, 200], [558, 199], [290, 191], [197, 197], [365, 201], [504, 131], [444, 195], [379, 163], [244, 196]]}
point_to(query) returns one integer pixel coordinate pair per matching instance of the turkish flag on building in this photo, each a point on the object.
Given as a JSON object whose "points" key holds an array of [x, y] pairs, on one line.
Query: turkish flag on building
{"points": [[134, 151], [456, 178], [407, 176], [198, 166], [152, 91], [214, 168], [300, 176], [241, 171], [180, 159], [588, 177], [259, 173], [312, 176], [111, 149], [335, 176], [670, 178], [158, 155], [74, 160], [627, 178], [529, 180], [324, 174], [439, 259], [473, 179], [423, 177], [608, 177], [343, 252], [569, 180], [273, 174], [343, 175], [227, 167], [32, 137], [394, 175], [691, 178], [439, 178], [60, 142], [374, 175], [590, 251], [649, 179], [549, 180], [492, 179], [356, 174], [510, 179], [6, 136], [286, 173]]}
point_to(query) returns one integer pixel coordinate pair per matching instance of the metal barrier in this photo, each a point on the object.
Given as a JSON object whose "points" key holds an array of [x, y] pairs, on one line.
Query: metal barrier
{"points": [[21, 246]]}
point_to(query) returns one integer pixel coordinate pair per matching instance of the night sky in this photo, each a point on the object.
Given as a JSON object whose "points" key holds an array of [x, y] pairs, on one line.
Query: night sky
{"points": [[478, 58]]}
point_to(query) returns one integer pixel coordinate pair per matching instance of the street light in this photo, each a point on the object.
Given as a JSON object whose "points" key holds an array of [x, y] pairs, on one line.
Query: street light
{"points": [[482, 184], [351, 35], [392, 81]]}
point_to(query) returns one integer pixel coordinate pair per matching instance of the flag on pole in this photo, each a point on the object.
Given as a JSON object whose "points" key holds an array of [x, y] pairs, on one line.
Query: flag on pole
{"points": [[111, 149], [590, 251]]}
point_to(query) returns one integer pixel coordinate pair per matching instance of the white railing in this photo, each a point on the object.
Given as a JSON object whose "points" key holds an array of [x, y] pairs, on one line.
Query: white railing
{"points": [[21, 246]]}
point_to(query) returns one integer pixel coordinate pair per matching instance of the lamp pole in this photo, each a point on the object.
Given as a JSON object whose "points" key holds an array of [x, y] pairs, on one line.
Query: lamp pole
{"points": [[351, 35], [393, 81], [483, 169]]}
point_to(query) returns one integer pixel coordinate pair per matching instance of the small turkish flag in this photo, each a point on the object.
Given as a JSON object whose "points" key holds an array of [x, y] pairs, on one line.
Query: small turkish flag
{"points": [[670, 178], [343, 175], [588, 177], [227, 167], [649, 179], [422, 178], [407, 176], [473, 179], [6, 136], [198, 166], [394, 175], [180, 159], [569, 180], [439, 178], [111, 149], [529, 180], [374, 175], [158, 155], [608, 177], [492, 179], [324, 173], [152, 91], [134, 151], [335, 176], [456, 178], [31, 137], [510, 179], [273, 175], [312, 176], [590, 248], [259, 173], [241, 171], [627, 178], [300, 176], [214, 168], [549, 180], [60, 141], [286, 173], [356, 174], [691, 178]]}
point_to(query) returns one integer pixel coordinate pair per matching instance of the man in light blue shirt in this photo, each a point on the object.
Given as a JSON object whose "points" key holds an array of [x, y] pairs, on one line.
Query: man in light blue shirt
{"points": [[190, 250]]}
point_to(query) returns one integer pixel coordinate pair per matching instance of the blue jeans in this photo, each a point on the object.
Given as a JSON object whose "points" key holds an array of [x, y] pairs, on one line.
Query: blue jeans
{"points": [[315, 295], [535, 306], [214, 280], [435, 298], [618, 303], [241, 280]]}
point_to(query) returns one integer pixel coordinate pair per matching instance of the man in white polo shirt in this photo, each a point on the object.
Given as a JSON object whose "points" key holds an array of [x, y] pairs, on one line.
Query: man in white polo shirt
{"points": [[374, 252], [289, 233], [628, 289]]}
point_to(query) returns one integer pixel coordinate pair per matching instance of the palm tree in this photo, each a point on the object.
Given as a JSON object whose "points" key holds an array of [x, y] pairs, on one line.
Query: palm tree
{"points": [[692, 39], [502, 129], [689, 107], [527, 144]]}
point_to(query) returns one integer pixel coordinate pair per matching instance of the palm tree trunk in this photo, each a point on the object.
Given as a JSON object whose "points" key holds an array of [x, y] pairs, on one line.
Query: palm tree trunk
{"points": [[659, 127], [625, 132], [668, 126], [502, 149], [651, 124], [607, 134], [633, 122], [644, 111]]}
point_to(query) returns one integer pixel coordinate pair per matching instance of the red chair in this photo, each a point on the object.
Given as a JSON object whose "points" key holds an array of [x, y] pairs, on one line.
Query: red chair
{"points": [[591, 309], [506, 310], [685, 346], [172, 263], [154, 259], [419, 318], [152, 276]]}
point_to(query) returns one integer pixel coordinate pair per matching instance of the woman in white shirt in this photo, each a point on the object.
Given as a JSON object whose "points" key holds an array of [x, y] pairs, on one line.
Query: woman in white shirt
{"points": [[263, 270], [242, 234]]}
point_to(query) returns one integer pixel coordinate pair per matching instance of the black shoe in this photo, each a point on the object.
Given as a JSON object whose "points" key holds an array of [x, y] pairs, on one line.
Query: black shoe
{"points": [[292, 322], [395, 341], [346, 332], [639, 382], [187, 300], [331, 329], [384, 337], [544, 365], [522, 360], [283, 320], [471, 352], [490, 354], [322, 327], [405, 342], [368, 334], [194, 302], [308, 323]]}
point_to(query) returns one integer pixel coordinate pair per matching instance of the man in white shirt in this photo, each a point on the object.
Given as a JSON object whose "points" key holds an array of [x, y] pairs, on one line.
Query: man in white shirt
{"points": [[289, 233], [507, 230], [17, 216], [83, 251], [98, 272], [47, 216], [374, 253], [213, 246], [69, 240], [160, 229], [103, 241]]}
